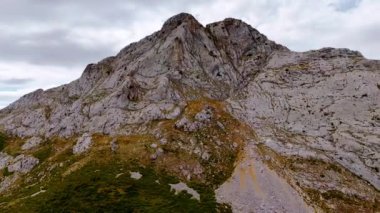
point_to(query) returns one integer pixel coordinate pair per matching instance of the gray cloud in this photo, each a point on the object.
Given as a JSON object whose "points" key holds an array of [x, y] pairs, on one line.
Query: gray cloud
{"points": [[16, 81], [84, 12], [39, 31], [45, 42], [51, 47], [345, 5]]}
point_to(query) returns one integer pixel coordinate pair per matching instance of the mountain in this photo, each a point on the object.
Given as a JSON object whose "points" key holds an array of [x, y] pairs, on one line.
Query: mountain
{"points": [[213, 118]]}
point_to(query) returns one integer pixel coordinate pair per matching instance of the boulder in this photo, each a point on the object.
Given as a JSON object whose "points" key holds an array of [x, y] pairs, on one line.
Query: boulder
{"points": [[179, 187], [32, 143], [23, 164], [7, 182], [114, 145], [135, 175], [5, 159], [83, 144], [205, 115], [201, 119]]}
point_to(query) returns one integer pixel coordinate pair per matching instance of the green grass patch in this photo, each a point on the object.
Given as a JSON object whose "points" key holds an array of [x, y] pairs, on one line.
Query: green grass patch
{"points": [[3, 140], [6, 172], [95, 188], [43, 153]]}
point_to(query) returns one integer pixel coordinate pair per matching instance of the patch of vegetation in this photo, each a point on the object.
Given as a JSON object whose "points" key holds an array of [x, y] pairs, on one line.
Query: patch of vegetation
{"points": [[43, 153], [3, 139], [221, 139], [99, 181], [48, 110], [13, 145], [6, 172], [107, 187], [337, 201]]}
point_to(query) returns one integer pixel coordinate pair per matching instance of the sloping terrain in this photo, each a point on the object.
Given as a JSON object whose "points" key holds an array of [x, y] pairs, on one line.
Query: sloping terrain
{"points": [[193, 118]]}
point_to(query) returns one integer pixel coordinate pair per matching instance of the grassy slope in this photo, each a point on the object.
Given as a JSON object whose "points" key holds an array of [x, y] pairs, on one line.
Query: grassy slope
{"points": [[64, 182], [95, 188], [88, 183]]}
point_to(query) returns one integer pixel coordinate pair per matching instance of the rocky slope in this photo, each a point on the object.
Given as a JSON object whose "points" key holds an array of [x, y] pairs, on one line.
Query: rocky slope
{"points": [[221, 108]]}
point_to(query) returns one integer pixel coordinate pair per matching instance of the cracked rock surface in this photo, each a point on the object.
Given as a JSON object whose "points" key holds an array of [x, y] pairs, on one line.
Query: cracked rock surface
{"points": [[83, 144], [23, 164], [320, 104], [315, 115]]}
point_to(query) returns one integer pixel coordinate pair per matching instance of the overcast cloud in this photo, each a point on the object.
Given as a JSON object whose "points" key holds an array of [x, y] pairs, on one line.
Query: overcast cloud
{"points": [[45, 43]]}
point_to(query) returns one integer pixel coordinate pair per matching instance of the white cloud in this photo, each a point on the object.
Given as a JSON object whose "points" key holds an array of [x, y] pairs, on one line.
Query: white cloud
{"points": [[34, 76], [50, 43]]}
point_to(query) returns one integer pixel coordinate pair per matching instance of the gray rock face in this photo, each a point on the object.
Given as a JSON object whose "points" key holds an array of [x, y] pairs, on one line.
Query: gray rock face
{"points": [[201, 119], [114, 145], [179, 187], [23, 164], [31, 143], [7, 182], [83, 144], [135, 175], [5, 159], [321, 104], [145, 81]]}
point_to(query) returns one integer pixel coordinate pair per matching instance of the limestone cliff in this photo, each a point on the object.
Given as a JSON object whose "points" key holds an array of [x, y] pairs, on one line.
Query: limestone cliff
{"points": [[280, 123]]}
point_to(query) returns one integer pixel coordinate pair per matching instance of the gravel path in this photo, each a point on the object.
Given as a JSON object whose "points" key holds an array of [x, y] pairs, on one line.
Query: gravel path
{"points": [[253, 187]]}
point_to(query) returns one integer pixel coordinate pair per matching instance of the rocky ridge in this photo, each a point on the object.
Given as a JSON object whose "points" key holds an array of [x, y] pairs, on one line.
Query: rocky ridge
{"points": [[314, 117]]}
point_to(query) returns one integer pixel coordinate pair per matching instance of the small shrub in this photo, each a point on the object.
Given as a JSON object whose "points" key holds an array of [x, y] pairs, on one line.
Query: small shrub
{"points": [[43, 153], [6, 172], [3, 139]]}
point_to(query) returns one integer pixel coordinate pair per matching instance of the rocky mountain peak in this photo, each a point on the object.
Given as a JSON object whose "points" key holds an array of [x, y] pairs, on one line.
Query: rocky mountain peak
{"points": [[189, 94], [181, 18]]}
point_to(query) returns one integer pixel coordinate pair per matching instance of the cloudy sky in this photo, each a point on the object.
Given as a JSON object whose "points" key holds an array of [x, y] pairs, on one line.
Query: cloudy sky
{"points": [[45, 43]]}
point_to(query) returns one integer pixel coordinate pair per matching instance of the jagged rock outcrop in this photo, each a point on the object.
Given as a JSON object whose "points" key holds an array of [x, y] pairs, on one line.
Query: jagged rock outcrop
{"points": [[315, 115], [201, 119], [318, 104], [5, 159], [83, 144], [7, 182], [32, 143], [23, 164], [147, 80]]}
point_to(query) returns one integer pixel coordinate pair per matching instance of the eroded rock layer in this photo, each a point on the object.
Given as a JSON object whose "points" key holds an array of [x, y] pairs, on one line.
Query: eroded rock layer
{"points": [[203, 103]]}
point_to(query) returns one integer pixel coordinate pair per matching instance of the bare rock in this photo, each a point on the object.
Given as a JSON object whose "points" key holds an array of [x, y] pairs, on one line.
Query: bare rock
{"points": [[321, 104], [163, 141], [267, 191], [205, 115], [220, 125], [23, 164], [135, 175], [114, 145], [5, 159], [205, 156], [7, 182], [179, 187], [201, 119], [160, 151], [83, 144], [32, 143]]}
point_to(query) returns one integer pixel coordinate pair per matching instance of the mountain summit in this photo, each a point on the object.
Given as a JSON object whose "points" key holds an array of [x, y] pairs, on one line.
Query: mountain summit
{"points": [[232, 119]]}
